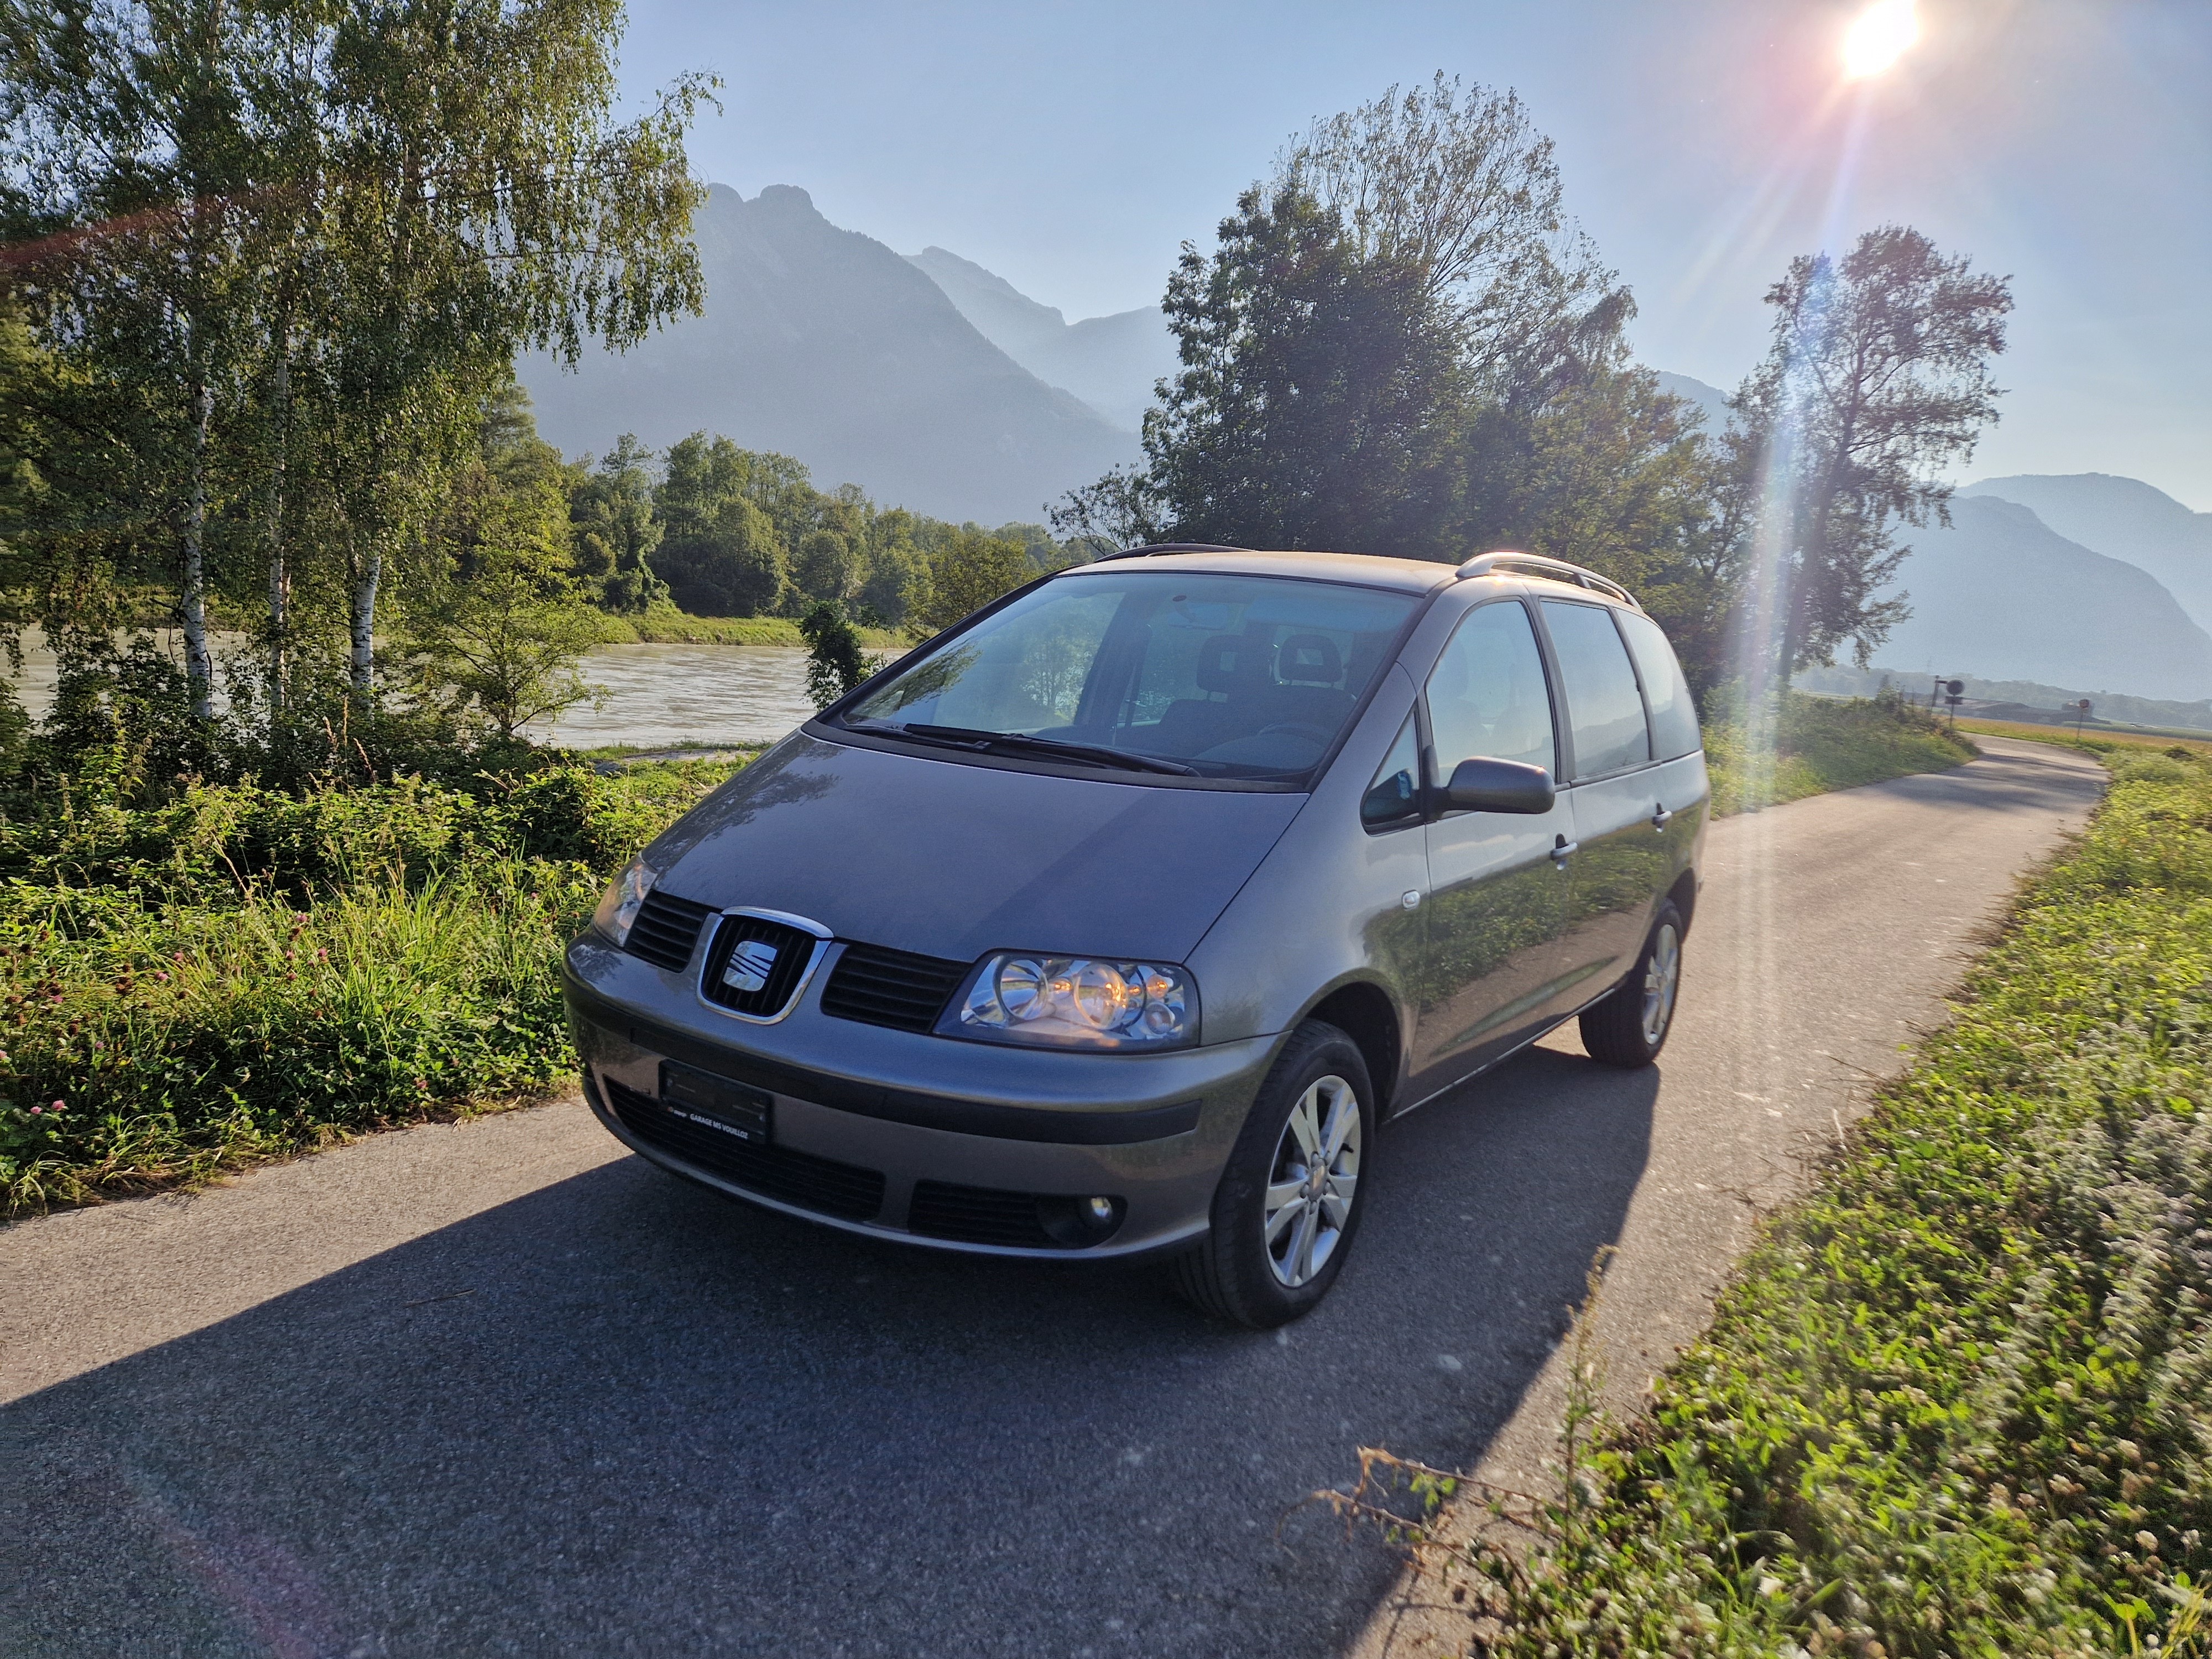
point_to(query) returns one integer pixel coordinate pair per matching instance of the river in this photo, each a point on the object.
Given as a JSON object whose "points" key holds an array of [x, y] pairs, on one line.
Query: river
{"points": [[657, 696]]}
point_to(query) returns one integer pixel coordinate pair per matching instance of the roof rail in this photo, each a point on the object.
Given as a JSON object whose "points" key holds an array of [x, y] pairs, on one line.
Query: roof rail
{"points": [[1505, 563], [1150, 548]]}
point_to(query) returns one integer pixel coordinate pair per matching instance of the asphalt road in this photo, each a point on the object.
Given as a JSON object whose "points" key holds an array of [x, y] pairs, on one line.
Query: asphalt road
{"points": [[498, 1388]]}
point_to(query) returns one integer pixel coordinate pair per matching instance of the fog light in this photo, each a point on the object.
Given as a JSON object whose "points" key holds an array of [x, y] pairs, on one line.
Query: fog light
{"points": [[1076, 1224]]}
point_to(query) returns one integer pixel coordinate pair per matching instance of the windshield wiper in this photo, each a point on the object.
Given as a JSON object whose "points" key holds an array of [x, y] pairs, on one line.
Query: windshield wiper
{"points": [[969, 737]]}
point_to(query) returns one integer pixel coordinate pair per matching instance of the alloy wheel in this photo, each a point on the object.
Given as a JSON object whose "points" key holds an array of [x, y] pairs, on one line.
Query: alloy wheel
{"points": [[1311, 1181], [1662, 974]]}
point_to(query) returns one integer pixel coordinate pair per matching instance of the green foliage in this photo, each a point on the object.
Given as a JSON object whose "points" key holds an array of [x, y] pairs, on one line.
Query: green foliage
{"points": [[970, 568], [721, 555], [615, 529], [276, 259], [1955, 1401], [833, 663], [824, 569], [239, 973], [1820, 744], [1318, 391]]}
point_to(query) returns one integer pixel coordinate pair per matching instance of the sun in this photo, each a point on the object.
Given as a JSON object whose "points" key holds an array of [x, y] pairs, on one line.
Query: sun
{"points": [[1878, 37]]}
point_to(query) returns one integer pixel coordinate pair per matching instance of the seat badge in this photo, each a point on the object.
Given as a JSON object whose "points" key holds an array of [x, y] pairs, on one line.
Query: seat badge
{"points": [[748, 966]]}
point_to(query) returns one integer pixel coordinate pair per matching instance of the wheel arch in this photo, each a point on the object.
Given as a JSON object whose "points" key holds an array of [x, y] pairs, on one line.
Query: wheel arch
{"points": [[1683, 895], [1364, 1012]]}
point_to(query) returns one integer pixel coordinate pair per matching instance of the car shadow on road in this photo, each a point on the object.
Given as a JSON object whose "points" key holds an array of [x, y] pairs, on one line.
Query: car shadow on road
{"points": [[623, 1415]]}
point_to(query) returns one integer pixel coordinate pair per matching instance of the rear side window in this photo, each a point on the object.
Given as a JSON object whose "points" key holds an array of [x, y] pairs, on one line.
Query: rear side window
{"points": [[1605, 711], [1487, 698], [1674, 713]]}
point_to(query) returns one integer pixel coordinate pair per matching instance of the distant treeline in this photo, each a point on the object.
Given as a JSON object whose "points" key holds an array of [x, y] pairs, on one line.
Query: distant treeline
{"points": [[717, 531]]}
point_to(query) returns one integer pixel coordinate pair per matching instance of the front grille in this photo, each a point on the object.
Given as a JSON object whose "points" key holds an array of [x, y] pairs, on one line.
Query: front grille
{"points": [[978, 1215], [896, 988], [800, 1179], [770, 955], [665, 930]]}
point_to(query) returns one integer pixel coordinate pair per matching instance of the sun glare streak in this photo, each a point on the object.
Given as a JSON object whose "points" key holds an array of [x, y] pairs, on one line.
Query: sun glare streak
{"points": [[1879, 37]]}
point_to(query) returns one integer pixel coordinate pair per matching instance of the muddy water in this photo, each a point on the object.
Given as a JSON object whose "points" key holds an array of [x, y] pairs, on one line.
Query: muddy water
{"points": [[658, 696]]}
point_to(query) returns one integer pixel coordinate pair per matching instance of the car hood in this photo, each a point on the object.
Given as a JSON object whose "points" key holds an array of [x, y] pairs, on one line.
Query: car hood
{"points": [[951, 860]]}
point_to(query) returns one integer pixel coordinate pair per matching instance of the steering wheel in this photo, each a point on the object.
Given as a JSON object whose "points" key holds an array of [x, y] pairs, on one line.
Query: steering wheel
{"points": [[1316, 735]]}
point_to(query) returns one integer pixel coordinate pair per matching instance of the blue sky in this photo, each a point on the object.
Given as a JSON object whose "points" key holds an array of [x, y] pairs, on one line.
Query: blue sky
{"points": [[1073, 148]]}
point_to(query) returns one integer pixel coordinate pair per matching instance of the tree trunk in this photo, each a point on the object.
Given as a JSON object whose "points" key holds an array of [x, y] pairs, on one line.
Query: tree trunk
{"points": [[280, 569], [361, 605], [199, 664]]}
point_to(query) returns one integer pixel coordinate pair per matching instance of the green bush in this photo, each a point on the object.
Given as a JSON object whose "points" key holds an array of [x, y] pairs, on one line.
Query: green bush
{"points": [[238, 973]]}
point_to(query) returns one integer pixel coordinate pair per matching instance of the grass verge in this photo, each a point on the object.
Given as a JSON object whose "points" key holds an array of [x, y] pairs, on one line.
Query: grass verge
{"points": [[665, 625], [1822, 743], [1957, 1400], [239, 975]]}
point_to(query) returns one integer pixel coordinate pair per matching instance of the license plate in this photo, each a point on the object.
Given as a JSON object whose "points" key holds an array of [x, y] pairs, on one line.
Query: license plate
{"points": [[736, 1109]]}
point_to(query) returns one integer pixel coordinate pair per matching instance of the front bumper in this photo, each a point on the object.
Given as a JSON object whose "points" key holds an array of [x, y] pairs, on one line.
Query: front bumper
{"points": [[962, 1121]]}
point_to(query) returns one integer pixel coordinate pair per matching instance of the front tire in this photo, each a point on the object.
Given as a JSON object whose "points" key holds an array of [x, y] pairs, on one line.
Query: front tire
{"points": [[1290, 1194], [1629, 1028]]}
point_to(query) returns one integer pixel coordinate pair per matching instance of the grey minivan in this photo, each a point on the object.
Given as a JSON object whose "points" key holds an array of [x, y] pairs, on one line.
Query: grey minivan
{"points": [[1115, 920]]}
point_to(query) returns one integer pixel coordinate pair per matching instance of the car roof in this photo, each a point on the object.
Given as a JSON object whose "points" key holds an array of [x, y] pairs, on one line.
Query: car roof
{"points": [[1367, 569]]}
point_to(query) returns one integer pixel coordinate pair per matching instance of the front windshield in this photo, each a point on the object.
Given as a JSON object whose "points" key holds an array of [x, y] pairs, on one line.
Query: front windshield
{"points": [[1230, 677]]}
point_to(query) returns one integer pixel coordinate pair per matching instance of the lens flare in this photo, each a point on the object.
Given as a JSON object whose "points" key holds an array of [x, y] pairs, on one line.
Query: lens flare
{"points": [[1879, 37]]}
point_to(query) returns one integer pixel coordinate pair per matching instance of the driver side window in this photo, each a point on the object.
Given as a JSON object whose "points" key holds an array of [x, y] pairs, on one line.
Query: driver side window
{"points": [[1487, 696]]}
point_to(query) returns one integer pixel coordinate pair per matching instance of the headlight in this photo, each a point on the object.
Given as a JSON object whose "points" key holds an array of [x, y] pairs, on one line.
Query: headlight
{"points": [[618, 910], [1075, 1002]]}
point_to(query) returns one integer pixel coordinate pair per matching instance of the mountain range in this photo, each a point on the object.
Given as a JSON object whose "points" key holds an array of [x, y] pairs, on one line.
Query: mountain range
{"points": [[824, 344], [935, 384]]}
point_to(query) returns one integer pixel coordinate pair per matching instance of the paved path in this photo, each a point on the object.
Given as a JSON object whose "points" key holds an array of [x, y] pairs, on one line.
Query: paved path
{"points": [[492, 1388]]}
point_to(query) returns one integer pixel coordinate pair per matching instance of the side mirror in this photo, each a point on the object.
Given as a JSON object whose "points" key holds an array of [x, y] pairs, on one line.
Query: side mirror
{"points": [[1498, 786]]}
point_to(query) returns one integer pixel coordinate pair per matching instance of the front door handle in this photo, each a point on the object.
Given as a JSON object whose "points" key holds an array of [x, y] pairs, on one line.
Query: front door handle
{"points": [[1660, 818], [1565, 850]]}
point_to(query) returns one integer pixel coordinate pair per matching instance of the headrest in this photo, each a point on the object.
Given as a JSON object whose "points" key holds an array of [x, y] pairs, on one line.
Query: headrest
{"points": [[1230, 662], [1308, 659]]}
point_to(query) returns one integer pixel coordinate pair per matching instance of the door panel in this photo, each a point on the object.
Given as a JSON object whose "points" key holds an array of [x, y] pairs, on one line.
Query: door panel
{"points": [[1621, 864], [1498, 900]]}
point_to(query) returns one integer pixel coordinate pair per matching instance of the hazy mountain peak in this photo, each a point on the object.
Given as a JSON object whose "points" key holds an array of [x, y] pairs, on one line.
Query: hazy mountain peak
{"points": [[944, 267], [1109, 362], [2000, 594], [824, 344], [2124, 518]]}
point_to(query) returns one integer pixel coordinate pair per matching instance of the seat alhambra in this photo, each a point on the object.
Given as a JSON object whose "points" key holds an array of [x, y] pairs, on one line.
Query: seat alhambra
{"points": [[1117, 918]]}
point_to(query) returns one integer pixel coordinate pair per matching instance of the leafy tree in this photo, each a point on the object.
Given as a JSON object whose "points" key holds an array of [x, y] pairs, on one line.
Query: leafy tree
{"points": [[972, 568], [720, 554], [834, 662], [824, 569], [1613, 473], [507, 630], [1318, 392], [484, 200], [1876, 381], [616, 530], [1369, 346], [897, 575], [130, 158]]}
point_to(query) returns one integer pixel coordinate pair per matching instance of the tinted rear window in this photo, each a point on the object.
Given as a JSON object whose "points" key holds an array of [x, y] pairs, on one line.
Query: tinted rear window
{"points": [[1605, 710], [1673, 711]]}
